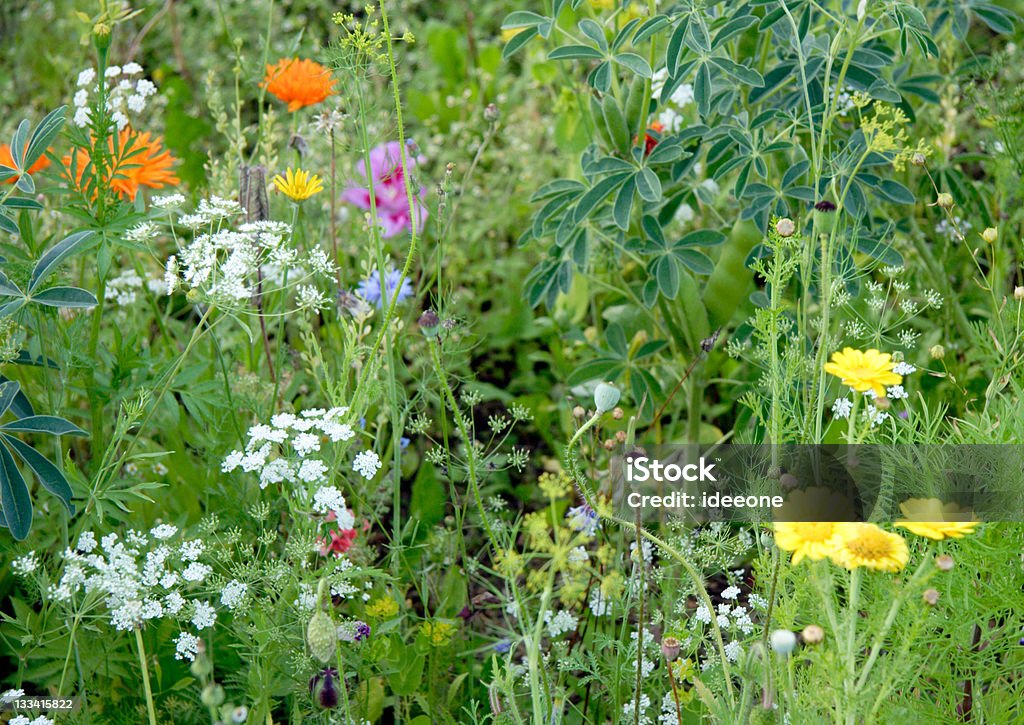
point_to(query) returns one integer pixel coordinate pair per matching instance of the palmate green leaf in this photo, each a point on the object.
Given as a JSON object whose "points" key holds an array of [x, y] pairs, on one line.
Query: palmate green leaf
{"points": [[7, 287], [676, 47], [43, 424], [575, 52], [697, 262], [702, 238], [8, 392], [14, 497], [20, 404], [19, 143], [649, 28], [518, 42], [25, 183], [595, 32], [740, 72], [43, 135], [56, 254], [665, 270], [635, 63], [6, 172], [598, 193], [65, 297], [11, 307], [702, 90], [623, 207], [602, 368], [648, 185], [48, 474]]}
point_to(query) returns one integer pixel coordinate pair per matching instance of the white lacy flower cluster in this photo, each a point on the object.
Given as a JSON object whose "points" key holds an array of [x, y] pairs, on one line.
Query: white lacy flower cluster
{"points": [[229, 266], [123, 289], [288, 451], [669, 116], [141, 576], [127, 94]]}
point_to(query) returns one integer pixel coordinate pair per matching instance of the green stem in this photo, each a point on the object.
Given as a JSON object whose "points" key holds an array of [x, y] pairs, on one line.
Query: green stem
{"points": [[145, 676]]}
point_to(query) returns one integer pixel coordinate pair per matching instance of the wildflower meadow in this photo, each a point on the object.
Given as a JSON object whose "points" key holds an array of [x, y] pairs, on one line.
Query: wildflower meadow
{"points": [[511, 362]]}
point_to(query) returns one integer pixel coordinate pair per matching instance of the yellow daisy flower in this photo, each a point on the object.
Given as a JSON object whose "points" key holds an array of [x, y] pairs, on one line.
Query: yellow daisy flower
{"points": [[864, 370], [869, 546], [812, 539], [298, 185], [931, 518]]}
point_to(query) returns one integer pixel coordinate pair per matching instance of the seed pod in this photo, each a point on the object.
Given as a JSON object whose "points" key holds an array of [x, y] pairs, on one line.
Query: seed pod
{"points": [[783, 642], [670, 648], [212, 695], [321, 636]]}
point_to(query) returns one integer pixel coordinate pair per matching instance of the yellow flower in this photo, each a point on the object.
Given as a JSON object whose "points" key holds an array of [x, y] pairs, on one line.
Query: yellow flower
{"points": [[864, 370], [868, 545], [602, 4], [555, 485], [382, 608], [931, 518], [299, 185], [812, 539], [438, 634]]}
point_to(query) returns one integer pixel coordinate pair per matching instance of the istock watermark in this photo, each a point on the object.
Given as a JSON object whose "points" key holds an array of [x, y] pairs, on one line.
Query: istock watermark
{"points": [[762, 483]]}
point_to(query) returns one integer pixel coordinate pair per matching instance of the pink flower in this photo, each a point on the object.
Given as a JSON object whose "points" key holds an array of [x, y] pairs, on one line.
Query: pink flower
{"points": [[341, 541], [389, 189]]}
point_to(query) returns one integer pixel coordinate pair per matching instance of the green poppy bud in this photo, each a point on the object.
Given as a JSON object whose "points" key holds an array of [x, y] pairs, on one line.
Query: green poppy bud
{"points": [[606, 396]]}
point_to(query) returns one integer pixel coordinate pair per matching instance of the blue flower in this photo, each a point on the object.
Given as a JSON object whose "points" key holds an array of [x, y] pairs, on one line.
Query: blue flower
{"points": [[369, 289], [502, 646], [403, 442], [583, 519]]}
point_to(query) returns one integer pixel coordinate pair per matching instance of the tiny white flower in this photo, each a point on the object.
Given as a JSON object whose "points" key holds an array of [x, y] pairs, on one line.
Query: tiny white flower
{"points": [[366, 464]]}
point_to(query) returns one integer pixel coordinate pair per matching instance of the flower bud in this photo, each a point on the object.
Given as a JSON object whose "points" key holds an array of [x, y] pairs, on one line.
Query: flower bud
{"points": [[213, 695], [240, 714], [882, 402], [937, 352], [785, 227], [945, 200], [321, 636], [670, 648], [605, 397], [323, 688], [491, 113], [944, 562], [618, 413], [990, 235], [813, 634], [930, 597], [428, 323], [788, 481], [1018, 293], [201, 666], [578, 412], [918, 159], [824, 216], [620, 436], [609, 444], [783, 641]]}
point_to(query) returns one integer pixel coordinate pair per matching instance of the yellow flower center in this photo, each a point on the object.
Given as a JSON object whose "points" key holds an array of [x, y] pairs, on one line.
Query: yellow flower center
{"points": [[870, 545]]}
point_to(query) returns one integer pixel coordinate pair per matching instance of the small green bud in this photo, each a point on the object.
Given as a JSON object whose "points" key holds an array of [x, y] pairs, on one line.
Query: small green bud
{"points": [[213, 695]]}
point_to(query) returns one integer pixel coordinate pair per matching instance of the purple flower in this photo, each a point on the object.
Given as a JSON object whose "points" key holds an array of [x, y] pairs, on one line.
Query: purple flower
{"points": [[389, 188], [362, 631], [370, 289], [502, 646], [584, 519]]}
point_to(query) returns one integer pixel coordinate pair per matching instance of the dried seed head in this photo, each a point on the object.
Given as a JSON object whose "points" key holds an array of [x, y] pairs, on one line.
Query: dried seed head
{"points": [[812, 634], [670, 648], [930, 597], [944, 562], [882, 403], [785, 227], [937, 352], [918, 159], [1018, 293], [491, 113], [945, 200], [578, 412], [618, 413]]}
